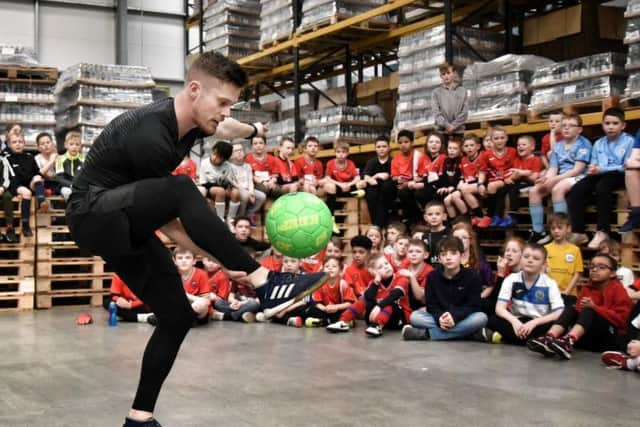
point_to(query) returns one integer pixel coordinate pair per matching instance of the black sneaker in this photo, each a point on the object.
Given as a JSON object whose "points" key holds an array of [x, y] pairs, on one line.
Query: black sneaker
{"points": [[284, 289], [11, 236], [409, 333], [630, 225], [539, 238], [149, 423], [3, 238], [541, 345], [563, 346], [152, 320], [26, 230]]}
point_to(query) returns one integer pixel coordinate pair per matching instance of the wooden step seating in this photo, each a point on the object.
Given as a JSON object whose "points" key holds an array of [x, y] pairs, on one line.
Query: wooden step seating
{"points": [[65, 274], [16, 293], [631, 251], [347, 216]]}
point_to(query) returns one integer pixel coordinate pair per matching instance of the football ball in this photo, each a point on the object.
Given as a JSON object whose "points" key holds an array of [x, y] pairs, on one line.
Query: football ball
{"points": [[299, 224]]}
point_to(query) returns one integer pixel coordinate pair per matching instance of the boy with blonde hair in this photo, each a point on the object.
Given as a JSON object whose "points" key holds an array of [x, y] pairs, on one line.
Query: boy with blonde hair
{"points": [[69, 163]]}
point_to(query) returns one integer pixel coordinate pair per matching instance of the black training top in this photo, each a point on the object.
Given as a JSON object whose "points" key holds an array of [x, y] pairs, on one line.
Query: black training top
{"points": [[141, 143], [373, 166], [24, 168]]}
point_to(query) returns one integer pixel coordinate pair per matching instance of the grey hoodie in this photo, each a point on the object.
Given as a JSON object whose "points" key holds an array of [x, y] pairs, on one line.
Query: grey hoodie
{"points": [[449, 107]]}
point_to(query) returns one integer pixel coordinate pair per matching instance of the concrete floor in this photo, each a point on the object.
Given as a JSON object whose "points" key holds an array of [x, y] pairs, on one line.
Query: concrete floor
{"points": [[55, 373]]}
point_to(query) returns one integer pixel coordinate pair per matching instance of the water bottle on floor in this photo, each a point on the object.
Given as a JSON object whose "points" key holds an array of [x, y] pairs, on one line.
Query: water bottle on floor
{"points": [[113, 314]]}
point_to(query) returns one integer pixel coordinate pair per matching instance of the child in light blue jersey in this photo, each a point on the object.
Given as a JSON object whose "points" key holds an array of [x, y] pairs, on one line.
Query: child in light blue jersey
{"points": [[568, 164], [605, 175]]}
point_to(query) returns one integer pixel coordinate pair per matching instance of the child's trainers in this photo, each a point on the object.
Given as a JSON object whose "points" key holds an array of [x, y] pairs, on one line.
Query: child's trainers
{"points": [[339, 326], [11, 236], [495, 221], [409, 333], [615, 360], [313, 322], [295, 321], [374, 330], [474, 221], [539, 238], [285, 287], [148, 423], [507, 222], [26, 230], [563, 346], [487, 335], [260, 317], [217, 315], [484, 222], [541, 345], [248, 317]]}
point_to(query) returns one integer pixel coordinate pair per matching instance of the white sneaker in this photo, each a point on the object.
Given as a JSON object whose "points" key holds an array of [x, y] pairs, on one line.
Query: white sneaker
{"points": [[598, 238], [578, 239], [374, 331], [260, 317], [248, 317], [339, 326], [217, 315]]}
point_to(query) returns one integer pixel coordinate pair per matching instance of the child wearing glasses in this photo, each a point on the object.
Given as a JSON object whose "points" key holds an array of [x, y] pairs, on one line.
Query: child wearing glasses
{"points": [[597, 321]]}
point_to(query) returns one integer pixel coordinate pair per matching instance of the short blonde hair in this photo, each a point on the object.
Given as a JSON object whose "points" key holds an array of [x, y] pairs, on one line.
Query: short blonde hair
{"points": [[72, 135]]}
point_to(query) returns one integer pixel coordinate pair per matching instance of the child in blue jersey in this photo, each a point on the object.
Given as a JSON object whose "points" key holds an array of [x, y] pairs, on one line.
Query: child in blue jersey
{"points": [[605, 175], [568, 164], [528, 303], [632, 183]]}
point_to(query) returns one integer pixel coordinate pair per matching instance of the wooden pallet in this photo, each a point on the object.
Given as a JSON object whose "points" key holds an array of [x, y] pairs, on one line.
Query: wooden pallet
{"points": [[580, 107], [275, 41], [27, 74], [509, 120], [73, 282], [55, 215], [17, 252], [17, 214], [367, 27], [17, 269], [59, 251], [65, 266], [53, 235], [16, 294], [71, 298]]}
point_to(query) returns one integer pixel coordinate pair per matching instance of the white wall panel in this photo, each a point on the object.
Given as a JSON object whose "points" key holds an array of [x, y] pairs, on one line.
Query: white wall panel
{"points": [[70, 35], [167, 6], [17, 24], [157, 43]]}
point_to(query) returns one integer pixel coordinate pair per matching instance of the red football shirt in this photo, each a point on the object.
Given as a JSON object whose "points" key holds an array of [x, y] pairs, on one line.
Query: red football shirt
{"points": [[267, 164], [271, 263], [397, 264], [120, 289], [470, 168], [402, 165], [496, 166], [305, 167], [189, 168], [334, 294], [198, 283], [533, 163], [220, 285], [286, 170], [358, 278], [341, 173], [546, 143], [398, 282], [313, 264]]}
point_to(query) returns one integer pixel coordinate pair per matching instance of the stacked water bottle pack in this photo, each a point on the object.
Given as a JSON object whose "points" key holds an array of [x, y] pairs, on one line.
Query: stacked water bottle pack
{"points": [[276, 21], [322, 12], [17, 55], [89, 96], [280, 129], [419, 57], [589, 78], [500, 88], [632, 39], [355, 125], [232, 27]]}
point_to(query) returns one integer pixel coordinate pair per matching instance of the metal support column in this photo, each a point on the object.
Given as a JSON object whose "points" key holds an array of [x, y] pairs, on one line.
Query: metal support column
{"points": [[347, 76], [297, 17], [509, 44], [201, 29], [448, 31], [122, 56], [361, 68]]}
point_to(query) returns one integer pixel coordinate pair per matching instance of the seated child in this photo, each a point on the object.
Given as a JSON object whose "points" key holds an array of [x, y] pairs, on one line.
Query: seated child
{"points": [[417, 272], [294, 314], [508, 262], [427, 169], [452, 299], [26, 179], [341, 178], [379, 188], [335, 247], [464, 198], [626, 362], [69, 163], [385, 303], [219, 283], [241, 304], [435, 216], [128, 307], [310, 170], [195, 282], [251, 199], [189, 168], [471, 256], [273, 261], [404, 175], [524, 173], [394, 230], [242, 231], [632, 184], [564, 260], [624, 274], [46, 161], [528, 302], [265, 174], [285, 170], [555, 135], [374, 233], [7, 201], [330, 301], [597, 321], [356, 275], [450, 173], [398, 258], [216, 176]]}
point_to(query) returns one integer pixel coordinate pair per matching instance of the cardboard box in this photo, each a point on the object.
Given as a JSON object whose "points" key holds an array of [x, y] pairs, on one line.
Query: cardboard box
{"points": [[553, 25], [611, 22]]}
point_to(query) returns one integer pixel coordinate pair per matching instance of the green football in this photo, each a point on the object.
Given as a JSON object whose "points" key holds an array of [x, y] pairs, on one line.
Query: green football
{"points": [[299, 224]]}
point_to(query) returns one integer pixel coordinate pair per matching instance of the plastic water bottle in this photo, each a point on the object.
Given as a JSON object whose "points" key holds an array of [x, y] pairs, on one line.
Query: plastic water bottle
{"points": [[113, 314]]}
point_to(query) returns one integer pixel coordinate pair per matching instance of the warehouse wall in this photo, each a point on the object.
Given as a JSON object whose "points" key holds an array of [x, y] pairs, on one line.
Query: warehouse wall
{"points": [[70, 32]]}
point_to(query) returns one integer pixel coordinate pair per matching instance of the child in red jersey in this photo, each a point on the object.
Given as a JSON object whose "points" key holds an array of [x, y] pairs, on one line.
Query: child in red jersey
{"points": [[449, 173], [129, 307], [404, 166], [394, 230], [554, 135], [398, 258], [195, 282], [356, 274], [464, 198], [598, 319], [287, 173], [494, 167], [341, 178], [385, 303], [330, 301], [294, 314], [273, 262], [523, 174], [218, 281], [374, 233], [429, 169], [265, 174], [335, 247], [310, 170], [313, 263], [417, 272], [241, 304]]}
